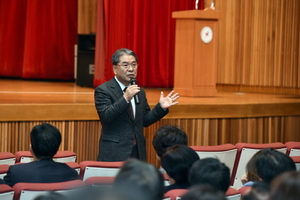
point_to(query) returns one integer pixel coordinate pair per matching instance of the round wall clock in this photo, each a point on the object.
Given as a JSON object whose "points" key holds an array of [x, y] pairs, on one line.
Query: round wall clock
{"points": [[206, 34]]}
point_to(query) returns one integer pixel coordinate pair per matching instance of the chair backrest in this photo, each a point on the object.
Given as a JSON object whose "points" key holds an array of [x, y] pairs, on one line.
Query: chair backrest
{"points": [[65, 156], [28, 191], [6, 192], [296, 159], [174, 194], [60, 156], [3, 170], [23, 157], [226, 153], [99, 168], [293, 148], [233, 194], [244, 154], [7, 158], [244, 190], [96, 181]]}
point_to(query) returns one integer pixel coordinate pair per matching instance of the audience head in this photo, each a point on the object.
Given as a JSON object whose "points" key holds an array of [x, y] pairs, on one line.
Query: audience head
{"points": [[286, 186], [203, 192], [258, 191], [270, 163], [45, 141], [142, 177], [167, 136], [212, 172], [177, 162], [121, 52]]}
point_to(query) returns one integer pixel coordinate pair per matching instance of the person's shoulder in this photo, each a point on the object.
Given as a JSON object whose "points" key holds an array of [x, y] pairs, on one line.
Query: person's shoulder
{"points": [[2, 181], [106, 84]]}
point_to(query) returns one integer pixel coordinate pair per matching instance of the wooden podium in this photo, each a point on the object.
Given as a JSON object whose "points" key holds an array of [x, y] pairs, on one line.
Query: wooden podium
{"points": [[196, 52]]}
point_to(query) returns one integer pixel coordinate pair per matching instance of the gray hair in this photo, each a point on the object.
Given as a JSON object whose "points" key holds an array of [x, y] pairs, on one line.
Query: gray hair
{"points": [[120, 52]]}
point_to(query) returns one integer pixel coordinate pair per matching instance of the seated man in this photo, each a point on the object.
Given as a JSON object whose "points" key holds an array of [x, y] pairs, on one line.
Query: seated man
{"points": [[167, 136], [45, 141], [212, 172], [139, 180]]}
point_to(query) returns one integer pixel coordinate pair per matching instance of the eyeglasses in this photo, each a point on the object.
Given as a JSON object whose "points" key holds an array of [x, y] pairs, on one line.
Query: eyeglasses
{"points": [[134, 65]]}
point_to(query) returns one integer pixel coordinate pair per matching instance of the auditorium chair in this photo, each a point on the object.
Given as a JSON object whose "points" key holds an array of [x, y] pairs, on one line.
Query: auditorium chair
{"points": [[233, 194], [100, 181], [296, 159], [293, 148], [244, 190], [174, 194], [244, 154], [226, 153], [60, 156], [99, 168], [28, 191], [3, 171], [6, 192], [7, 158]]}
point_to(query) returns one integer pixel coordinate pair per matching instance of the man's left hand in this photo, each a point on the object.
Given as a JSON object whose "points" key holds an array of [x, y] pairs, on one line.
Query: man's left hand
{"points": [[169, 100]]}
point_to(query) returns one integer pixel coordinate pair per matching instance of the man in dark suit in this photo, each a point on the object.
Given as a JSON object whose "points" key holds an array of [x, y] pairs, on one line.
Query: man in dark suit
{"points": [[122, 129], [45, 141]]}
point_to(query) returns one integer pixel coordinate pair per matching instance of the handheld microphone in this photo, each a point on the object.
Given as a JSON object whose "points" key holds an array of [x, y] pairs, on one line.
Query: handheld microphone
{"points": [[136, 97]]}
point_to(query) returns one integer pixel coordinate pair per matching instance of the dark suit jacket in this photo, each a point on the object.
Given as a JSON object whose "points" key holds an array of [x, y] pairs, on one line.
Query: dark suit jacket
{"points": [[118, 127], [42, 171]]}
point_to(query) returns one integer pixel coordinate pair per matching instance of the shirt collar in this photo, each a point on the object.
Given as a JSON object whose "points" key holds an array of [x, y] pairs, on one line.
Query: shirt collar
{"points": [[122, 86]]}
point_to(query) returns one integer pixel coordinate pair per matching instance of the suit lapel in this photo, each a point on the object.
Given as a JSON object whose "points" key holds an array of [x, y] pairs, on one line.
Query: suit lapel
{"points": [[115, 88]]}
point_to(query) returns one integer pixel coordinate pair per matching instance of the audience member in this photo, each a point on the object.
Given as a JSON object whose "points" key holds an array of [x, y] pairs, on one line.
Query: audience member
{"points": [[270, 163], [177, 162], [251, 173], [258, 191], [286, 186], [203, 192], [167, 136], [140, 178], [212, 172], [2, 181], [45, 141]]}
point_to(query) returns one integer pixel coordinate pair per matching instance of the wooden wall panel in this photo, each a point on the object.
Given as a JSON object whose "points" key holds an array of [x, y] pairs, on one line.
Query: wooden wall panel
{"points": [[259, 45], [82, 137]]}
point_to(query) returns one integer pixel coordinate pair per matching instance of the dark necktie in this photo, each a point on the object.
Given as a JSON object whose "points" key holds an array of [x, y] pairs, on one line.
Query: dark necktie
{"points": [[130, 107]]}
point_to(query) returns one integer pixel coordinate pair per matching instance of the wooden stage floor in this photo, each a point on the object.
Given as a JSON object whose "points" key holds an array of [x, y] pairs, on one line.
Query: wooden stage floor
{"points": [[226, 118], [23, 100]]}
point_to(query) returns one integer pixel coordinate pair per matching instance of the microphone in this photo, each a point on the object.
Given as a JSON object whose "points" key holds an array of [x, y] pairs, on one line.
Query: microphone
{"points": [[136, 97]]}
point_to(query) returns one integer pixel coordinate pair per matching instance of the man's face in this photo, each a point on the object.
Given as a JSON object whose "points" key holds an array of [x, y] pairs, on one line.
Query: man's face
{"points": [[126, 69]]}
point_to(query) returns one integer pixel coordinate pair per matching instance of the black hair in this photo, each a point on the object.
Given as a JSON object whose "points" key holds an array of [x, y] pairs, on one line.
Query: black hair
{"points": [[45, 140], [166, 136]]}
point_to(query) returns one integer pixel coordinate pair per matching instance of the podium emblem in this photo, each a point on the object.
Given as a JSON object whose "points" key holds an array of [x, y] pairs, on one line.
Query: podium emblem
{"points": [[206, 34]]}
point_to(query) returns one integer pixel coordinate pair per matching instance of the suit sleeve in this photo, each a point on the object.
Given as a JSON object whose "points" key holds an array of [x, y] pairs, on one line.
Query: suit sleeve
{"points": [[108, 109], [152, 116], [8, 178]]}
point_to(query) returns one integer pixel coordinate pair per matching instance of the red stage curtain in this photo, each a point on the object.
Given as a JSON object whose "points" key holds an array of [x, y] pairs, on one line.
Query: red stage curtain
{"points": [[146, 27], [37, 38]]}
